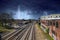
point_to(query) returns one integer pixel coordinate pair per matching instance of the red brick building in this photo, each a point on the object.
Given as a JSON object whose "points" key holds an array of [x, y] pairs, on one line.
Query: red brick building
{"points": [[51, 22]]}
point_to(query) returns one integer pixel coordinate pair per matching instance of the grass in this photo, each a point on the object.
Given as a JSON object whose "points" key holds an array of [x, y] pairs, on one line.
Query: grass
{"points": [[49, 37], [3, 29], [46, 34]]}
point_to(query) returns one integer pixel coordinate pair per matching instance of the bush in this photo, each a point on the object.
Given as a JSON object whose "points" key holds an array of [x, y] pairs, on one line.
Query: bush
{"points": [[47, 30], [8, 27]]}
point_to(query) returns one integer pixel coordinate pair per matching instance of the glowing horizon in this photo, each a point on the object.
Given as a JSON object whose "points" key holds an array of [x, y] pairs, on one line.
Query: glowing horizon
{"points": [[22, 14]]}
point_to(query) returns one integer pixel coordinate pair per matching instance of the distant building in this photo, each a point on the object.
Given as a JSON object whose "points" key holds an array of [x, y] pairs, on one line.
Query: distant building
{"points": [[52, 23]]}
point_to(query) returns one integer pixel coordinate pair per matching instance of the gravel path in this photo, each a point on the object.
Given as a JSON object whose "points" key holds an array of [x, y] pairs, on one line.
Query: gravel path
{"points": [[39, 33]]}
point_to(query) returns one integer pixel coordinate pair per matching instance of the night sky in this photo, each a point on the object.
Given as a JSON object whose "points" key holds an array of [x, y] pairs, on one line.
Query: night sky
{"points": [[30, 9]]}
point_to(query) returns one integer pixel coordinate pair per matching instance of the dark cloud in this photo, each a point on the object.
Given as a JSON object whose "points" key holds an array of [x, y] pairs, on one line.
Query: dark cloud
{"points": [[37, 6], [33, 4]]}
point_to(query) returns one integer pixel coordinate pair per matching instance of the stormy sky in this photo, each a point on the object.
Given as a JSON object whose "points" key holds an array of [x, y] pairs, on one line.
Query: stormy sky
{"points": [[30, 9]]}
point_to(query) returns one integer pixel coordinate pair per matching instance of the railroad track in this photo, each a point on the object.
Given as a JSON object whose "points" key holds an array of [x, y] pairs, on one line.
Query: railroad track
{"points": [[22, 34], [29, 34], [10, 34], [33, 34], [25, 36]]}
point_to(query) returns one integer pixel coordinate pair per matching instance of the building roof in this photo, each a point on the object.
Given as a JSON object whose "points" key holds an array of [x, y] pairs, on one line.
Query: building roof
{"points": [[50, 17]]}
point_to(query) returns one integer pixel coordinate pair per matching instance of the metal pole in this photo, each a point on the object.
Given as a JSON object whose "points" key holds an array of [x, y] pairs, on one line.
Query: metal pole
{"points": [[0, 37]]}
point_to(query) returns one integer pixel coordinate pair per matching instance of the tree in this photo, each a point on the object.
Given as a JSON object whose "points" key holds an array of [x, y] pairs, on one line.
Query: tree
{"points": [[5, 18], [39, 21]]}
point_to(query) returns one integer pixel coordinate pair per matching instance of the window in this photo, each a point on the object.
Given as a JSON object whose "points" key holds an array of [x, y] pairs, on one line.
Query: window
{"points": [[59, 16], [51, 16], [48, 17], [56, 24], [53, 32], [56, 16], [50, 23], [53, 23]]}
